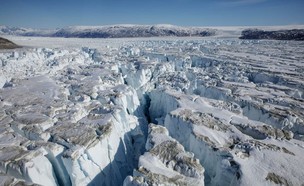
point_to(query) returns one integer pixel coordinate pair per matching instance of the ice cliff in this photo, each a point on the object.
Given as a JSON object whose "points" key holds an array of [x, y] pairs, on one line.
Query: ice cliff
{"points": [[166, 162]]}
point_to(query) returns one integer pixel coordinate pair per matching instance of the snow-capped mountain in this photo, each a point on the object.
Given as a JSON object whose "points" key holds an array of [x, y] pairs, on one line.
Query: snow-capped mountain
{"points": [[6, 30], [112, 31], [161, 30], [122, 31]]}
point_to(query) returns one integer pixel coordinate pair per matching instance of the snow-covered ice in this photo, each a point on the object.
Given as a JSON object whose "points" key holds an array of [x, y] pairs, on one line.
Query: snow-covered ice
{"points": [[226, 112], [166, 162]]}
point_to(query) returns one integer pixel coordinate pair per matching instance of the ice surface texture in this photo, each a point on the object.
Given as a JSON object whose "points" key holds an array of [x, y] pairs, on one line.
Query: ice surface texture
{"points": [[166, 162], [228, 112]]}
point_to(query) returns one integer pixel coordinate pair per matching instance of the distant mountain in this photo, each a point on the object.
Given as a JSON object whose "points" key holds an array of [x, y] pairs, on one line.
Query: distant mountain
{"points": [[122, 31], [7, 44], [7, 30], [112, 31], [294, 34]]}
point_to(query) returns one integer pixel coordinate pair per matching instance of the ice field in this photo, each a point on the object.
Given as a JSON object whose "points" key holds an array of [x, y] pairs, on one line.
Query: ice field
{"points": [[151, 111]]}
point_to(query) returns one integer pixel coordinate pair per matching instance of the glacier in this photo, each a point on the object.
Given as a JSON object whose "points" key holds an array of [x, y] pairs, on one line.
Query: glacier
{"points": [[151, 111], [165, 162]]}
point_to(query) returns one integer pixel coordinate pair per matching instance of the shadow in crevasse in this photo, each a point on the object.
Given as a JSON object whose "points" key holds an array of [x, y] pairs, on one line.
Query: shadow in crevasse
{"points": [[130, 148], [125, 160]]}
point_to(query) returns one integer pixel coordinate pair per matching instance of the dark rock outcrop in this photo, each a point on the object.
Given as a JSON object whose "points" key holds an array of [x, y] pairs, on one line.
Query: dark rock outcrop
{"points": [[7, 44], [295, 34]]}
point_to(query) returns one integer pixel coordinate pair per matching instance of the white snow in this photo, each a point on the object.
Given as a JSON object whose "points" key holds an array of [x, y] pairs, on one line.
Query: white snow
{"points": [[166, 162], [76, 111]]}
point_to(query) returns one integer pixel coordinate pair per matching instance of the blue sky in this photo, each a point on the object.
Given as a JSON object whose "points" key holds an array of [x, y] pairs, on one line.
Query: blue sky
{"points": [[61, 13]]}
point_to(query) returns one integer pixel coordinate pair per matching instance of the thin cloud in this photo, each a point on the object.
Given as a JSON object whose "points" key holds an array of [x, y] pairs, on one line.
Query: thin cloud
{"points": [[241, 2]]}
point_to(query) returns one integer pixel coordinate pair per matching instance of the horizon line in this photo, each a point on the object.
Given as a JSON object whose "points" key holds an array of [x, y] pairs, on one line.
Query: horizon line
{"points": [[158, 24]]}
